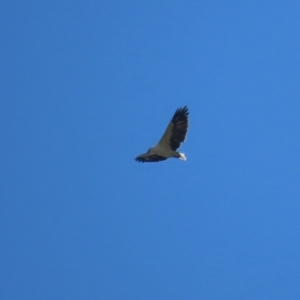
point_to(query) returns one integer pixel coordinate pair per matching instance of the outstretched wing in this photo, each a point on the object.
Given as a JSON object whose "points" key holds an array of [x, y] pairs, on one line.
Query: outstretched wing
{"points": [[150, 158], [176, 131]]}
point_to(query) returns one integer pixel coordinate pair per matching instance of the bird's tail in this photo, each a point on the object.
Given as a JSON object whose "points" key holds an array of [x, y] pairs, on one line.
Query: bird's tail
{"points": [[181, 156]]}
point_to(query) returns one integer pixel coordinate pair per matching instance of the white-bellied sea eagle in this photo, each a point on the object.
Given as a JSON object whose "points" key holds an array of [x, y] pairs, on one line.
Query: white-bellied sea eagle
{"points": [[174, 135]]}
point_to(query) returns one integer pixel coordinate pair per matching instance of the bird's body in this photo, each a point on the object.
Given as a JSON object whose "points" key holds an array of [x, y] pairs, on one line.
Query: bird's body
{"points": [[174, 135]]}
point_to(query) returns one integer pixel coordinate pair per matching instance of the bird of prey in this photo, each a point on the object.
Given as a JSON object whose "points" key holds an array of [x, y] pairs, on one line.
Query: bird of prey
{"points": [[174, 135]]}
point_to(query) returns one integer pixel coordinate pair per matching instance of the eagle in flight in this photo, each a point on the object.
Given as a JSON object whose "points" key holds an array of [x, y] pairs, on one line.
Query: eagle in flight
{"points": [[174, 135]]}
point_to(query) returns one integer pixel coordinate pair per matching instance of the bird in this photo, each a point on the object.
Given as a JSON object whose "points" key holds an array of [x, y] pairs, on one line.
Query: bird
{"points": [[174, 135]]}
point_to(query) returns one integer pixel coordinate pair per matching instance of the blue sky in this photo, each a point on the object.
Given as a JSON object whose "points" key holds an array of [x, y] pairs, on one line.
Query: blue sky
{"points": [[88, 85]]}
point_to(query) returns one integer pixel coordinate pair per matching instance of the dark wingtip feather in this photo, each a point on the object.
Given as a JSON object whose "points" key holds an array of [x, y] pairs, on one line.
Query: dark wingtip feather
{"points": [[180, 123], [139, 159], [181, 112]]}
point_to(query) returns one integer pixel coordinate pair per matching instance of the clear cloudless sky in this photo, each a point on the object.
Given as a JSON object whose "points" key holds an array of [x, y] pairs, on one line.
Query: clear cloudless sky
{"points": [[88, 85]]}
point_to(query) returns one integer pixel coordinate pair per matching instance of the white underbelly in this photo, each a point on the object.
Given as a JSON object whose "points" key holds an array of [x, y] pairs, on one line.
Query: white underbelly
{"points": [[163, 151]]}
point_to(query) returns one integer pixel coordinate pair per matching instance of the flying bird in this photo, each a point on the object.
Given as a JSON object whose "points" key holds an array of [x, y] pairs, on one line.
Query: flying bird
{"points": [[174, 135]]}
